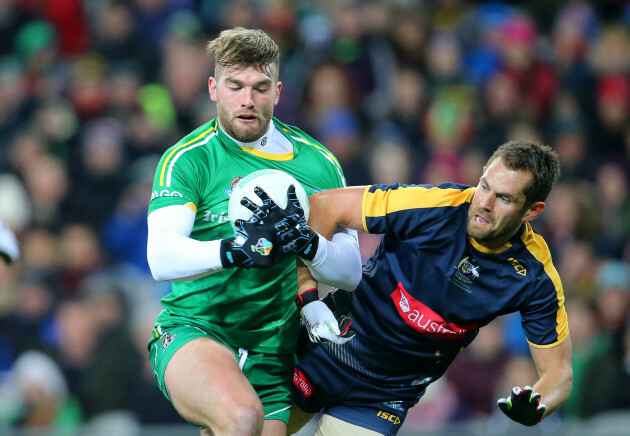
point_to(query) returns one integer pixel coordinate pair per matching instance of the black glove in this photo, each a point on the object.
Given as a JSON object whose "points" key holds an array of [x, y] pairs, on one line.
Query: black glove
{"points": [[254, 240], [299, 239], [523, 406]]}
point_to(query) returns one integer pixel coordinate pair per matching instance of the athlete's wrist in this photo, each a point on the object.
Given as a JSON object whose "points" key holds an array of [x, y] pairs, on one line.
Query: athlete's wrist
{"points": [[306, 297], [230, 258]]}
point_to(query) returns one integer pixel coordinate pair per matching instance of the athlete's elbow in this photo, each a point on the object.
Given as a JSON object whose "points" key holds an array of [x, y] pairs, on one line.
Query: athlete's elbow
{"points": [[159, 273]]}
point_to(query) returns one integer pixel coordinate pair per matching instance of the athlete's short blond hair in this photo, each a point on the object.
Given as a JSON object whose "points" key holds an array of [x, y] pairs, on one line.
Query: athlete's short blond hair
{"points": [[243, 48]]}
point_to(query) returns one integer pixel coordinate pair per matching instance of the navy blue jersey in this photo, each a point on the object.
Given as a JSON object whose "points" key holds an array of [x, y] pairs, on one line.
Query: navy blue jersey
{"points": [[428, 287]]}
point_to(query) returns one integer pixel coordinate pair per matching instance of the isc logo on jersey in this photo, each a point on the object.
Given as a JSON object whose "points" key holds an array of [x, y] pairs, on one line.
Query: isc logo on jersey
{"points": [[388, 416]]}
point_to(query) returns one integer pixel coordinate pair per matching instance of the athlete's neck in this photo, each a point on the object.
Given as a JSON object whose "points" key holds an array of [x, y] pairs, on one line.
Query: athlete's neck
{"points": [[272, 141]]}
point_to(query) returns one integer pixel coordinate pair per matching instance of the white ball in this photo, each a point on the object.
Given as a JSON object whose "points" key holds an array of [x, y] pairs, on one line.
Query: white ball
{"points": [[273, 182]]}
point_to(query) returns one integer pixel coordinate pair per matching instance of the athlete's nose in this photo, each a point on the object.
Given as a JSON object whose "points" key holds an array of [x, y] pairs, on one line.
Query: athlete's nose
{"points": [[248, 100], [487, 201]]}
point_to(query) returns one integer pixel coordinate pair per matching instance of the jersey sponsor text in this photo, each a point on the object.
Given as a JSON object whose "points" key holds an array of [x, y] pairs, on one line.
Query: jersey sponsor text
{"points": [[423, 319]]}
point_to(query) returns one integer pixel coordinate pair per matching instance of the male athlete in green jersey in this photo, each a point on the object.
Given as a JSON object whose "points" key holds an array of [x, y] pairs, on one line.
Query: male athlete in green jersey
{"points": [[223, 347]]}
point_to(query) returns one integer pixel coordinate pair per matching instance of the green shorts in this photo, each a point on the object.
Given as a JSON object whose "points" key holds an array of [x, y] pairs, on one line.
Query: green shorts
{"points": [[271, 375]]}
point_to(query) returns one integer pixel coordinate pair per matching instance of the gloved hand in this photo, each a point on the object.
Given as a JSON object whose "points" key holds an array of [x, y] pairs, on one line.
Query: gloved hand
{"points": [[300, 239], [256, 242], [9, 248], [523, 406], [320, 322]]}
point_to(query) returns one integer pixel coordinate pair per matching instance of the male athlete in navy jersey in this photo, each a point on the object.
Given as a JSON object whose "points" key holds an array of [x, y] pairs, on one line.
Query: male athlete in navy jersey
{"points": [[452, 259]]}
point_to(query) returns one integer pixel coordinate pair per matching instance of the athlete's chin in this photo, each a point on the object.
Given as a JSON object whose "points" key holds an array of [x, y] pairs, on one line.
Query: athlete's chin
{"points": [[478, 234], [248, 134]]}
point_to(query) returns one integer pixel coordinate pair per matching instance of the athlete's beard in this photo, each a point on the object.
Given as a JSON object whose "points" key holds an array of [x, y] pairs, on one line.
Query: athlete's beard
{"points": [[501, 234], [242, 133]]}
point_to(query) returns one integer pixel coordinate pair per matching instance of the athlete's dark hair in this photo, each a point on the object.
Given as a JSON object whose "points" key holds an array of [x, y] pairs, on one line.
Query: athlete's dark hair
{"points": [[541, 160], [244, 48]]}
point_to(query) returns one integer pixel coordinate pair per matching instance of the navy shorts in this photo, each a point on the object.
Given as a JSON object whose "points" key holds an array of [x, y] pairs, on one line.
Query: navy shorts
{"points": [[321, 383]]}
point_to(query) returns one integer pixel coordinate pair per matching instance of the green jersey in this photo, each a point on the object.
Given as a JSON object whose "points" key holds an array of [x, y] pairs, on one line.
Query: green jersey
{"points": [[251, 309]]}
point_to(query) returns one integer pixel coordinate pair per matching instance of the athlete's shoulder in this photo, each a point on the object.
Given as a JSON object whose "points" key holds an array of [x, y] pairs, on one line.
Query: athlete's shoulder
{"points": [[200, 136], [313, 154], [301, 136], [295, 131], [537, 257], [420, 195], [189, 154], [535, 244]]}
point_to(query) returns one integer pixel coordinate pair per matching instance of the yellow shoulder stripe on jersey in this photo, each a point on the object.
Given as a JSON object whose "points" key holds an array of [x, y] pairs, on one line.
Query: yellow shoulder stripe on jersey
{"points": [[268, 156], [538, 247], [320, 148], [176, 149], [380, 203], [328, 155], [192, 205], [364, 208]]}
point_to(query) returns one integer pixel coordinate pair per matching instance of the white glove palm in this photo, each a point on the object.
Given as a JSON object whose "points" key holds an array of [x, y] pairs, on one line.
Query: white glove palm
{"points": [[322, 326]]}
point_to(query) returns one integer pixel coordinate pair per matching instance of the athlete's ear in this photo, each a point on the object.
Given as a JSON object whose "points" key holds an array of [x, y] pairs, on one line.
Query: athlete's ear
{"points": [[534, 211], [212, 88], [278, 89]]}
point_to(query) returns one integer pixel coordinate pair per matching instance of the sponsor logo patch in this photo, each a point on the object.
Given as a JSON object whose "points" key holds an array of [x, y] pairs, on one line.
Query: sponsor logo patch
{"points": [[263, 246], [424, 320], [421, 381], [396, 405], [167, 338], [302, 383], [165, 193]]}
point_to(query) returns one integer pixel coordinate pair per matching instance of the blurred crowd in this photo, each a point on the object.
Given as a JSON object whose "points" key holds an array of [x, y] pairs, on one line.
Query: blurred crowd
{"points": [[92, 93]]}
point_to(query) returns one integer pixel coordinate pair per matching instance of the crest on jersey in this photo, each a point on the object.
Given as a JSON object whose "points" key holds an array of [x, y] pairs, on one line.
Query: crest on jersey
{"points": [[233, 183], [263, 246], [466, 271], [167, 338], [469, 268]]}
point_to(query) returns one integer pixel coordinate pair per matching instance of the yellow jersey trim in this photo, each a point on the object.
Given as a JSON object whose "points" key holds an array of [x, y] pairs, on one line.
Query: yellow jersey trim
{"points": [[268, 156], [381, 203], [192, 205], [322, 149], [477, 246], [364, 208], [538, 247]]}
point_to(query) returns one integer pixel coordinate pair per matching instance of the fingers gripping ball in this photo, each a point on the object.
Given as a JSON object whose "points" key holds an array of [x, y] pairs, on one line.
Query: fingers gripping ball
{"points": [[274, 182]]}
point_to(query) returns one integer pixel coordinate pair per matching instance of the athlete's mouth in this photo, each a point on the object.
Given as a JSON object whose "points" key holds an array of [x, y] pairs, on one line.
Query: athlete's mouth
{"points": [[481, 219], [247, 117]]}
